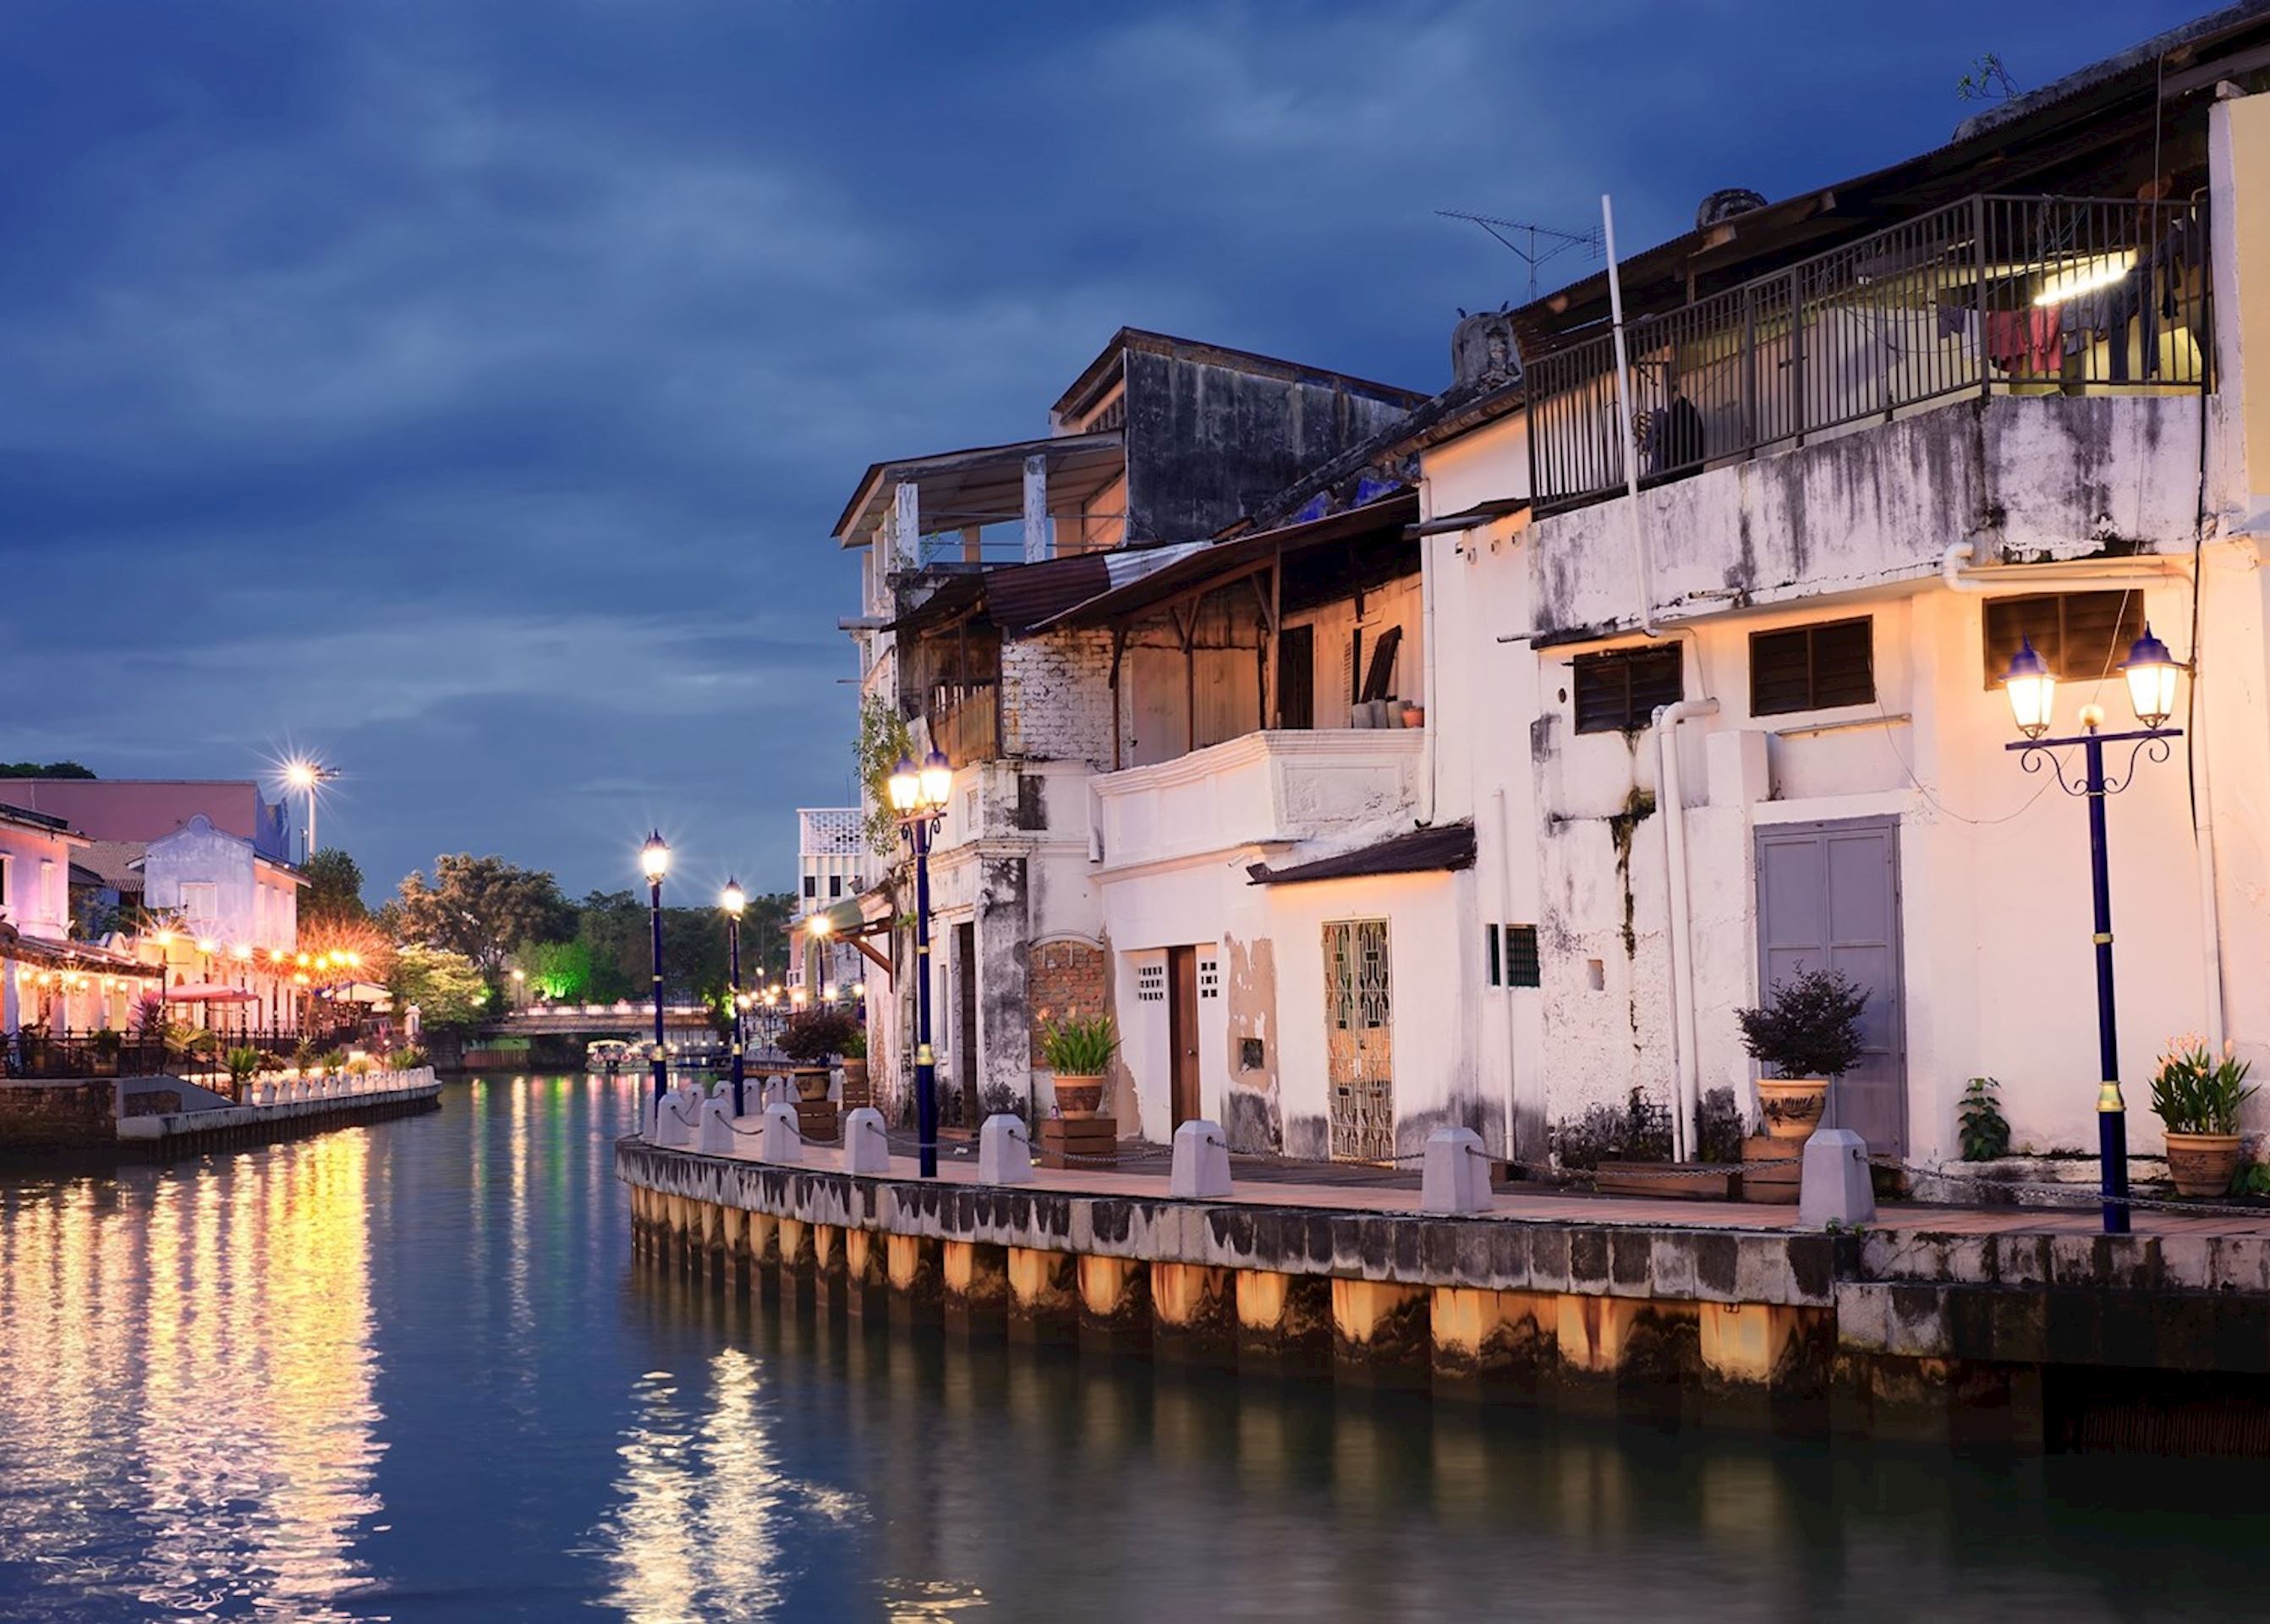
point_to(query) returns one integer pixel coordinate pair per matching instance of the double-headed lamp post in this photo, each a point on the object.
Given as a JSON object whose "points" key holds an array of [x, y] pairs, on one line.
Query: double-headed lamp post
{"points": [[2151, 673], [918, 799], [653, 860], [308, 777], [733, 902]]}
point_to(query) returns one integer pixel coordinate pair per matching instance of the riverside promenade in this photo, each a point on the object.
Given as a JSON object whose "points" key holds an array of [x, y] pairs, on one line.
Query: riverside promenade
{"points": [[2001, 1325]]}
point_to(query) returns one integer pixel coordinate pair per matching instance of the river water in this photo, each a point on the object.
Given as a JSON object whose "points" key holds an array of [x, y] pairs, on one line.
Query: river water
{"points": [[409, 1372]]}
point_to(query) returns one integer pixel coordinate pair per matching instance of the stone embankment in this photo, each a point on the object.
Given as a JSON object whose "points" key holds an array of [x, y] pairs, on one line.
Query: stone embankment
{"points": [[2006, 1327], [91, 1119]]}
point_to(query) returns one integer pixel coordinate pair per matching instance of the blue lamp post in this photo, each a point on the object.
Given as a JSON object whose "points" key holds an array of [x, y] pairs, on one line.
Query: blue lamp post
{"points": [[654, 858], [733, 902], [918, 799], [2151, 673]]}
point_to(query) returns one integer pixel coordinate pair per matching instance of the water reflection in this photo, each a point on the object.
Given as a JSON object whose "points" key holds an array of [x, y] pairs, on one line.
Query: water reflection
{"points": [[186, 1369]]}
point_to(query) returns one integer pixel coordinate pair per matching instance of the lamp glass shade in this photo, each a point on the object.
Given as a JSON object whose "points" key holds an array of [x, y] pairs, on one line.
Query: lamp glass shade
{"points": [[937, 779], [2032, 688], [735, 899], [906, 784], [654, 857], [820, 924], [2151, 671]]}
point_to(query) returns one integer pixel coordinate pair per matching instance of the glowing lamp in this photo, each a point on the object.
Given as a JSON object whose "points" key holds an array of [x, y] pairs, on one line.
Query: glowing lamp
{"points": [[937, 781], [2032, 688], [653, 857], [206, 944], [735, 899], [519, 974], [299, 774], [2151, 671], [819, 925], [241, 951], [906, 786]]}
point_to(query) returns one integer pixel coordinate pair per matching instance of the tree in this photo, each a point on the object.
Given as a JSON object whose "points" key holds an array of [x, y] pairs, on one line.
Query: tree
{"points": [[447, 987], [53, 769], [885, 740], [482, 908], [334, 887], [562, 971]]}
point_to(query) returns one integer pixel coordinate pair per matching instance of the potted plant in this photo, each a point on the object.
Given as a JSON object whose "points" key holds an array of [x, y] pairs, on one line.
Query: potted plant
{"points": [[1808, 1031], [109, 1045], [243, 1066], [856, 1090], [810, 1040], [1078, 1054], [2198, 1096]]}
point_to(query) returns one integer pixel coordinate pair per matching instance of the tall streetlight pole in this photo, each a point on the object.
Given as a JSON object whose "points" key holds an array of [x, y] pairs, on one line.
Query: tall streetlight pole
{"points": [[734, 900], [2151, 673], [308, 777], [918, 797], [654, 859]]}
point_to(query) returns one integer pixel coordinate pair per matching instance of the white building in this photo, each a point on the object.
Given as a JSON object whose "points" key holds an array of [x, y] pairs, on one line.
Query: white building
{"points": [[831, 864]]}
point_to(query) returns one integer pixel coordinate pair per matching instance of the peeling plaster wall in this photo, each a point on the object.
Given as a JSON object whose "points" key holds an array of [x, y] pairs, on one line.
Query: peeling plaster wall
{"points": [[1056, 697], [1253, 1115]]}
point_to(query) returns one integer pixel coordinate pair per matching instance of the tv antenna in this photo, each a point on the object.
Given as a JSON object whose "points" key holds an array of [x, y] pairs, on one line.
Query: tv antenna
{"points": [[1535, 245]]}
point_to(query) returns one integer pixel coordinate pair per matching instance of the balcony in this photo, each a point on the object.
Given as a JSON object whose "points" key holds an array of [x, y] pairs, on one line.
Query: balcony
{"points": [[1260, 790], [965, 720], [1988, 295]]}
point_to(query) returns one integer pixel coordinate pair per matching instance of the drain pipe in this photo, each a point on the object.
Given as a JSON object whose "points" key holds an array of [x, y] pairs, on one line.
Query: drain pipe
{"points": [[1668, 804], [1951, 562], [1624, 421], [1513, 1145], [2203, 829]]}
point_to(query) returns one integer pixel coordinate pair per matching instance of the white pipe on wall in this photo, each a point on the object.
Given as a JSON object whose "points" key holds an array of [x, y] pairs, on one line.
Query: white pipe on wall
{"points": [[1513, 1147], [2203, 832], [1669, 804], [1624, 420]]}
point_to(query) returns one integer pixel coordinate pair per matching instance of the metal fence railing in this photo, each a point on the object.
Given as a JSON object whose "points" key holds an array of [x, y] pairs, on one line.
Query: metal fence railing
{"points": [[35, 1051], [1988, 294]]}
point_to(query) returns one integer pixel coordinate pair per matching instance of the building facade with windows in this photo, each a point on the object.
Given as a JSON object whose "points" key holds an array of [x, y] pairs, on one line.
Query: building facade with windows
{"points": [[832, 863]]}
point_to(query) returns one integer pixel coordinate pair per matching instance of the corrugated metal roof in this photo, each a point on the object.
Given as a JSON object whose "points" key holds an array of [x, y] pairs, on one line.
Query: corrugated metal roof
{"points": [[1421, 851]]}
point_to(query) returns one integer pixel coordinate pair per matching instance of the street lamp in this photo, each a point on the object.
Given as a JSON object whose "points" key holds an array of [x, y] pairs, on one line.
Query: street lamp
{"points": [[733, 902], [918, 799], [653, 860], [2150, 672], [307, 777]]}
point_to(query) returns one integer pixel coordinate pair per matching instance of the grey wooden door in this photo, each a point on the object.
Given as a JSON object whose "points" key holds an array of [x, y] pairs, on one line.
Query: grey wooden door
{"points": [[1828, 897]]}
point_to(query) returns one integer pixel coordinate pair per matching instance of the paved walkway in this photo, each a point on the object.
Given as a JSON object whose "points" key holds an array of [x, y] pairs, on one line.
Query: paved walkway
{"points": [[1269, 1182]]}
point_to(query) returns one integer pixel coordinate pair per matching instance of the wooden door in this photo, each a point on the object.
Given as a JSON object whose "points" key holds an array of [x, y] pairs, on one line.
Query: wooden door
{"points": [[1297, 677], [1358, 1041], [1828, 898], [965, 1022], [1182, 1034]]}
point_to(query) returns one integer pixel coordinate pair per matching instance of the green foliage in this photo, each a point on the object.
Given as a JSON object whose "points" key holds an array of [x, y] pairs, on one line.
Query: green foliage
{"points": [[333, 893], [885, 740], [613, 927], [187, 1042], [150, 1019], [855, 1046], [1718, 1128], [1984, 1132], [307, 1054], [2252, 1179], [53, 769], [108, 1043], [2194, 1093], [1809, 1025], [447, 987], [1080, 1047], [480, 909], [409, 1058], [562, 971], [1988, 80], [1641, 1132], [244, 1065], [814, 1035], [359, 1065]]}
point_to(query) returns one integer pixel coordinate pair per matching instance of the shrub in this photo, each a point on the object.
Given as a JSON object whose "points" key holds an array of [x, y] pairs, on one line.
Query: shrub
{"points": [[1986, 1132], [108, 1043], [1080, 1047], [2194, 1093], [814, 1037], [307, 1054], [150, 1020], [1718, 1128], [409, 1058], [1640, 1132], [855, 1046], [1809, 1025], [243, 1064], [360, 1065]]}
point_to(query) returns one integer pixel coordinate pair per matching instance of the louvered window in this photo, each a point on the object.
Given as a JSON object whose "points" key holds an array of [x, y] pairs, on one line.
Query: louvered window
{"points": [[1523, 967], [1812, 667], [1619, 691], [2083, 635]]}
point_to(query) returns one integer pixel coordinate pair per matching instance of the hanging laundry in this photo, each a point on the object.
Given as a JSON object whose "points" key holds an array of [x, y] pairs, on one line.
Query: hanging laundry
{"points": [[2025, 342]]}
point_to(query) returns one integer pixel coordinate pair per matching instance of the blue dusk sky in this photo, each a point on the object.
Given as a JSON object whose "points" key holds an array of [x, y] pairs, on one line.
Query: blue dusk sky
{"points": [[463, 391]]}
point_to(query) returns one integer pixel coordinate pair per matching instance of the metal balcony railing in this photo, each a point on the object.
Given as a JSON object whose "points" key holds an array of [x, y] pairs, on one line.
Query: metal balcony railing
{"points": [[2026, 295]]}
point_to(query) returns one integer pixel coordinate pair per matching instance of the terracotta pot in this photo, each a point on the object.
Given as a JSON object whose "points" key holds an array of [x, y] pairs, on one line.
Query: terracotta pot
{"points": [[811, 1083], [1077, 1098], [2201, 1164], [1791, 1105]]}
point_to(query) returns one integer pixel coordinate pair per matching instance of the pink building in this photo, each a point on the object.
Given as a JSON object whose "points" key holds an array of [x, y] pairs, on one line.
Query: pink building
{"points": [[144, 809]]}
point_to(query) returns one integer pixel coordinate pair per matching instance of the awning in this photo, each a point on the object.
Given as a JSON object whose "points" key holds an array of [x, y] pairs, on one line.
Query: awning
{"points": [[1225, 560], [983, 485], [86, 956], [1421, 851]]}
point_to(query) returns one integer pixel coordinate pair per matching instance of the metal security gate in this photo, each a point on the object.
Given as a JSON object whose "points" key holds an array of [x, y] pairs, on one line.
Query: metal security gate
{"points": [[1358, 1041]]}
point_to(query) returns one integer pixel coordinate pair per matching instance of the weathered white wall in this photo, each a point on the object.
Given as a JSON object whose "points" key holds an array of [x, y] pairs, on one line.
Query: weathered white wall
{"points": [[1056, 697]]}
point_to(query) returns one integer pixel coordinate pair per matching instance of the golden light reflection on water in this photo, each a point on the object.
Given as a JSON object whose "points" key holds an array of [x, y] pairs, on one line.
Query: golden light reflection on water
{"points": [[186, 1365], [701, 1500]]}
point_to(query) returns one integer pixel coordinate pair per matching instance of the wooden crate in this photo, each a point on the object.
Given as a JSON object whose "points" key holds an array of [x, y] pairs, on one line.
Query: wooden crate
{"points": [[1093, 1141], [1770, 1186], [819, 1121], [1685, 1180]]}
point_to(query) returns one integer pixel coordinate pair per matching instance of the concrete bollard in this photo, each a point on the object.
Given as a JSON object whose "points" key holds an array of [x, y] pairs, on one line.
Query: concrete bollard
{"points": [[1201, 1169], [1005, 1151], [717, 1134], [783, 1141], [681, 1116], [1455, 1178], [646, 1115], [866, 1147], [1832, 1186]]}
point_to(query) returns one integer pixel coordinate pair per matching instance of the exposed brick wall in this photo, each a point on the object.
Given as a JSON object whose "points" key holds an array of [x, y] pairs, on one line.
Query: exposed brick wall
{"points": [[54, 1114], [1056, 698], [1067, 979]]}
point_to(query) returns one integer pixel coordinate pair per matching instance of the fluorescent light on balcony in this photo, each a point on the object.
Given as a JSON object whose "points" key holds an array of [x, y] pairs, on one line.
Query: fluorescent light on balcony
{"points": [[2087, 276]]}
